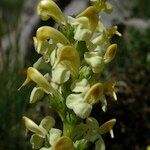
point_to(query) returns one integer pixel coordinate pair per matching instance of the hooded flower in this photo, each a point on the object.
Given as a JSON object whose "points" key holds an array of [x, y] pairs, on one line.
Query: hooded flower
{"points": [[97, 60], [85, 97], [40, 132], [65, 62], [70, 58], [47, 40], [84, 24], [94, 132], [40, 80]]}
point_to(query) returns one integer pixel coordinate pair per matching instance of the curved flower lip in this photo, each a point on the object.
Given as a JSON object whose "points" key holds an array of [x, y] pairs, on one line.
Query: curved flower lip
{"points": [[70, 57], [48, 8], [95, 61], [45, 33], [92, 15], [82, 103], [33, 127], [36, 94]]}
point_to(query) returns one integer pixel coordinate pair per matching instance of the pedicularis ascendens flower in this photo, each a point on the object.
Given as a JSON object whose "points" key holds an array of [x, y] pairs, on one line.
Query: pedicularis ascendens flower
{"points": [[73, 58]]}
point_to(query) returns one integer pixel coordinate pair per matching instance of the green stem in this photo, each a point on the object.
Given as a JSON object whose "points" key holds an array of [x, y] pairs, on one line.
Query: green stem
{"points": [[68, 129]]}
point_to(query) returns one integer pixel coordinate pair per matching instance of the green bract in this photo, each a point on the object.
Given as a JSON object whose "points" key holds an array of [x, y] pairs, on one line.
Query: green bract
{"points": [[73, 58]]}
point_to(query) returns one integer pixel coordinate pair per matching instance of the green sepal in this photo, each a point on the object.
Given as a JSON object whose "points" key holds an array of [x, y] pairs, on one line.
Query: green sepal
{"points": [[81, 48], [85, 72], [68, 31]]}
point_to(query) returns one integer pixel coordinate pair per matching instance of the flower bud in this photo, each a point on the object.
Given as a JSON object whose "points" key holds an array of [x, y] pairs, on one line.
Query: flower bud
{"points": [[110, 53]]}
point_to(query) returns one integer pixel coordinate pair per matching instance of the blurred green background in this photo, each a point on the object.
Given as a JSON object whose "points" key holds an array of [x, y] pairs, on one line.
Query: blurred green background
{"points": [[131, 68]]}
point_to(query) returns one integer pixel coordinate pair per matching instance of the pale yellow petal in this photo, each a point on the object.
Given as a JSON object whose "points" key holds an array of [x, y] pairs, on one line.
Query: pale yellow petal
{"points": [[70, 58], [92, 15], [48, 8], [33, 127], [45, 33], [107, 126], [110, 53], [64, 143]]}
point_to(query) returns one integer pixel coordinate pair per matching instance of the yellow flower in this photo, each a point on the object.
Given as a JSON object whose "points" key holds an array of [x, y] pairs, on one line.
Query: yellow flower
{"points": [[33, 127], [93, 17], [45, 33], [40, 80], [85, 97], [94, 132], [48, 8], [70, 58]]}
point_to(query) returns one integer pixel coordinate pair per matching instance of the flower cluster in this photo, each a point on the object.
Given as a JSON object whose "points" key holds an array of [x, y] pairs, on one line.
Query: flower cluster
{"points": [[73, 57]]}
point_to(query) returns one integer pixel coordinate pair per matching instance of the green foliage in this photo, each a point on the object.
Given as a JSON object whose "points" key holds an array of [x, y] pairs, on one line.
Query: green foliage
{"points": [[133, 48], [11, 3], [141, 9], [12, 108]]}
